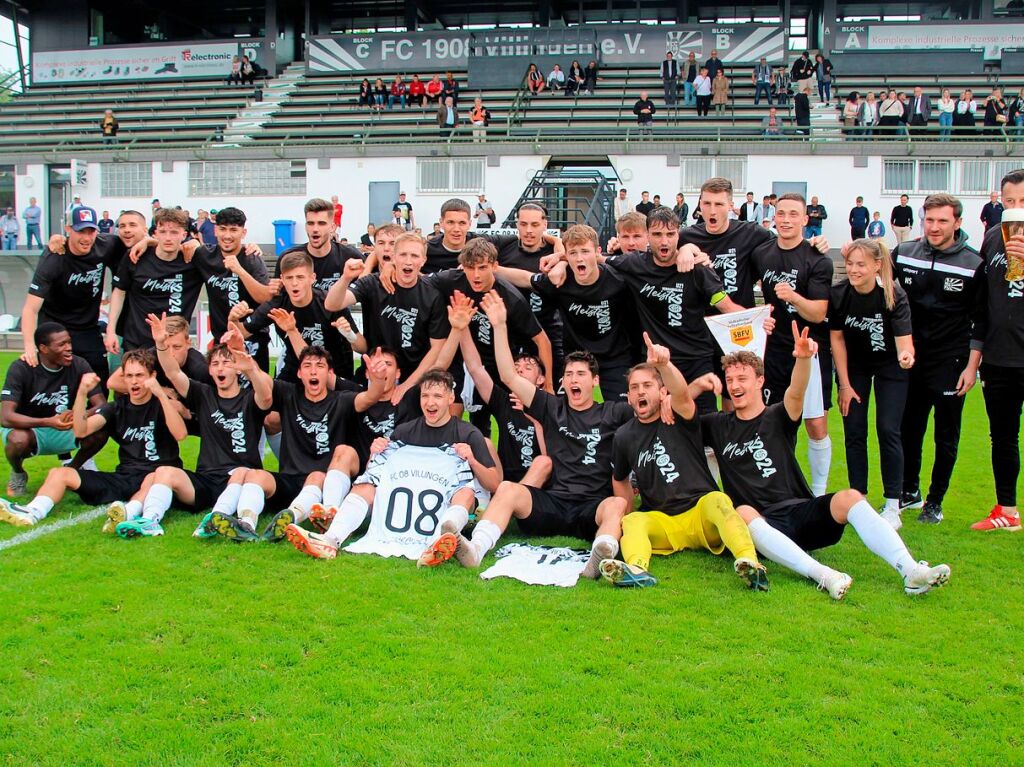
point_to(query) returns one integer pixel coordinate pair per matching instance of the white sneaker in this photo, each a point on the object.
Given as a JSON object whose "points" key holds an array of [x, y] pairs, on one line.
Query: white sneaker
{"points": [[835, 583], [924, 578], [892, 516]]}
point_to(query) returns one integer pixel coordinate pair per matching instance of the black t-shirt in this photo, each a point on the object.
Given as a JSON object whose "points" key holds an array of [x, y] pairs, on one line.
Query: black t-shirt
{"points": [[595, 317], [405, 322], [366, 241], [310, 430], [229, 428], [667, 462], [579, 443], [1004, 316], [902, 215], [815, 215], [195, 367], [327, 269], [671, 306], [313, 322], [154, 286], [809, 273], [225, 289], [439, 257], [381, 419], [142, 434], [757, 458], [512, 255], [869, 327], [644, 207], [72, 286], [522, 325], [517, 435], [731, 255], [453, 431], [39, 392]]}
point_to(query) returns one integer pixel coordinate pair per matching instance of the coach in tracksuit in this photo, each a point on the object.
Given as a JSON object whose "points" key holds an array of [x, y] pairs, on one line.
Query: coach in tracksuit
{"points": [[943, 278]]}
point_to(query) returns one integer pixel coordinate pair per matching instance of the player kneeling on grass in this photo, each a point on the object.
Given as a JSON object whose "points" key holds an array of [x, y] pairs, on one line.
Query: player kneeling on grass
{"points": [[437, 428], [146, 425], [230, 420], [315, 421], [756, 446], [685, 509]]}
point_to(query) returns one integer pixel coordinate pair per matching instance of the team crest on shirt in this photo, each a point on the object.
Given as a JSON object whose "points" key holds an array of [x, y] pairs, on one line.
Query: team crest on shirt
{"points": [[756, 450], [58, 400], [953, 285], [658, 455]]}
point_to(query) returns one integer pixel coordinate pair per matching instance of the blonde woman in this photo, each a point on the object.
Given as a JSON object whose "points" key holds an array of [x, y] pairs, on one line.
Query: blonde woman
{"points": [[946, 106]]}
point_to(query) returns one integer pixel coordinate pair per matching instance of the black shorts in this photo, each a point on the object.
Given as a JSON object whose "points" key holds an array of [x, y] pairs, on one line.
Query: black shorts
{"points": [[778, 371], [208, 486], [808, 523], [556, 515], [98, 487], [287, 487]]}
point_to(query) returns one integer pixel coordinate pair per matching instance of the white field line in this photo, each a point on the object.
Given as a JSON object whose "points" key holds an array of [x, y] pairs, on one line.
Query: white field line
{"points": [[39, 532]]}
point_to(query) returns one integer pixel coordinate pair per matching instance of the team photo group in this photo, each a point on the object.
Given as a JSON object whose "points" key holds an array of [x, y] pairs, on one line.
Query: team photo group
{"points": [[643, 395]]}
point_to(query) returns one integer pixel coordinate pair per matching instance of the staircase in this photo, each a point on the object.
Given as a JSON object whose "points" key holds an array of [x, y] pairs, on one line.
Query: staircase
{"points": [[572, 197], [250, 121]]}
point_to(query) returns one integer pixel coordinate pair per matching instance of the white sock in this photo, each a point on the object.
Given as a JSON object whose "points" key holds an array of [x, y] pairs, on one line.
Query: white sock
{"points": [[880, 538], [350, 516], [304, 501], [158, 501], [892, 504], [453, 520], [712, 460], [133, 510], [781, 549], [336, 487], [819, 456], [485, 535], [274, 440], [227, 502], [251, 498], [39, 507]]}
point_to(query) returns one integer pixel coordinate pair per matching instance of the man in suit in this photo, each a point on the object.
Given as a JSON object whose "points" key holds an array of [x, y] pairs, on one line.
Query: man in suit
{"points": [[670, 78], [920, 109]]}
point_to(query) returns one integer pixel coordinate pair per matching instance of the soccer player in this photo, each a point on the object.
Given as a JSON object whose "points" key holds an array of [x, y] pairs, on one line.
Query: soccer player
{"points": [[578, 435], [630, 234], [382, 247], [327, 256], [144, 424], [756, 455], [36, 406], [443, 252], [869, 322], [943, 277], [796, 280], [682, 507], [230, 419], [1001, 340], [437, 427], [162, 281]]}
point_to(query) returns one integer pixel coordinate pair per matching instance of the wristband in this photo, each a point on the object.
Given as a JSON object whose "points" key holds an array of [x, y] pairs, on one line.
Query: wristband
{"points": [[349, 336]]}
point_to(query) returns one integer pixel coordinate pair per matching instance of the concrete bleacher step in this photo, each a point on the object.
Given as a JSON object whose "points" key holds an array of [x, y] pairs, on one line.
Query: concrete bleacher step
{"points": [[243, 128]]}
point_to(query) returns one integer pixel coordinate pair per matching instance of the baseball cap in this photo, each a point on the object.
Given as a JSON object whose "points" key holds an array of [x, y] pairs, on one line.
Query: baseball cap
{"points": [[83, 218]]}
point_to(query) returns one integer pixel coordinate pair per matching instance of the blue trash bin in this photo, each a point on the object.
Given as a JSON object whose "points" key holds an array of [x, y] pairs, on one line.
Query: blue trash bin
{"points": [[284, 235]]}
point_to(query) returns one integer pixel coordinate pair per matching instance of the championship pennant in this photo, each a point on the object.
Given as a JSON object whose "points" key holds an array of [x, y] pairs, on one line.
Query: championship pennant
{"points": [[740, 331]]}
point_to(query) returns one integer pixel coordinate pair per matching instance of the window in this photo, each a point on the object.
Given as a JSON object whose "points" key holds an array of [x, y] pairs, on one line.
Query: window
{"points": [[126, 179], [247, 177], [933, 176], [898, 176], [974, 176], [797, 34], [924, 176], [696, 170], [449, 174]]}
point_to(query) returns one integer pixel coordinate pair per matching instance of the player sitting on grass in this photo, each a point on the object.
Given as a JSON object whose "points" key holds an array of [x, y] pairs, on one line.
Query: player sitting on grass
{"points": [[436, 428], [145, 424], [230, 420], [36, 409], [578, 434], [683, 508], [314, 441], [756, 445]]}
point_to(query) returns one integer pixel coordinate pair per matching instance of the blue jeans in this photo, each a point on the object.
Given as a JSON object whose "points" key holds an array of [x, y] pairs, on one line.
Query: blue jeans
{"points": [[689, 99], [945, 123], [762, 86], [10, 241], [393, 99], [32, 230], [824, 92], [813, 231]]}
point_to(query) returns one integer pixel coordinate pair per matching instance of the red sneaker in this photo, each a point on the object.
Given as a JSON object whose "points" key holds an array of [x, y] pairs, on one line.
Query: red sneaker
{"points": [[998, 520]]}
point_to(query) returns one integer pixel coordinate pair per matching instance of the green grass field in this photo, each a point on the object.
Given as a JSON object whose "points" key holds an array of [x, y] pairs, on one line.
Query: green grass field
{"points": [[174, 651]]}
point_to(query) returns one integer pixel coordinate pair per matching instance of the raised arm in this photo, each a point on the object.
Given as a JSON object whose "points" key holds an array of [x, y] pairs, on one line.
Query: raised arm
{"points": [[494, 308], [474, 365], [172, 414], [804, 349], [518, 277], [285, 321], [672, 378], [262, 383], [82, 423], [339, 296], [170, 365], [376, 371], [254, 287]]}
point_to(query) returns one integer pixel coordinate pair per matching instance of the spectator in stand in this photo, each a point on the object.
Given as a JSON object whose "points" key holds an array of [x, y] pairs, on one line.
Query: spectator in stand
{"points": [[622, 206], [248, 71], [816, 214], [963, 114], [207, 229], [681, 209], [109, 126], [851, 109], [688, 75], [720, 93], [366, 241], [480, 118], [11, 228], [867, 119], [702, 88], [762, 79], [771, 125], [889, 113], [823, 73], [451, 89], [858, 220], [645, 206], [656, 200], [920, 109], [750, 210], [399, 91], [235, 75], [992, 213], [902, 220], [404, 210], [902, 128], [447, 118], [782, 83], [417, 92], [1015, 112], [339, 210], [590, 77], [556, 79], [802, 71], [484, 214], [365, 94], [434, 90], [33, 215], [574, 80], [876, 229], [713, 64], [802, 110], [534, 79], [670, 79], [995, 112], [380, 95], [946, 106]]}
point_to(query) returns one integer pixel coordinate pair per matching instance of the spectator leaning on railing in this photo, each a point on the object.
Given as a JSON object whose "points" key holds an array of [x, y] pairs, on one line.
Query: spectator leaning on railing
{"points": [[802, 110]]}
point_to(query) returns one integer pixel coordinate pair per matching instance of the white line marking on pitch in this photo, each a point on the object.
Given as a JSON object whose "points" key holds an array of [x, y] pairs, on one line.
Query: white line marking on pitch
{"points": [[39, 532]]}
